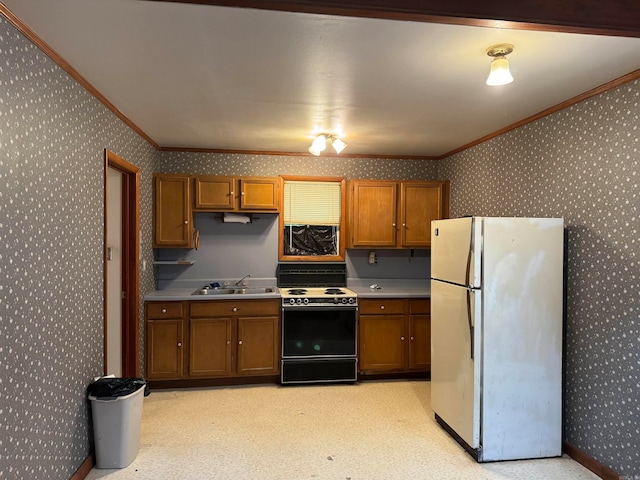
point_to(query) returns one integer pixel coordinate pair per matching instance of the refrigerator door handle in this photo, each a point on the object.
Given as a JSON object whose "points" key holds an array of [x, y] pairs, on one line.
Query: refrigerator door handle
{"points": [[469, 319], [467, 278]]}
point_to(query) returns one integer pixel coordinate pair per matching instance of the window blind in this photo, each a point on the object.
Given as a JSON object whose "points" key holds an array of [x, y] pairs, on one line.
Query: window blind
{"points": [[311, 203]]}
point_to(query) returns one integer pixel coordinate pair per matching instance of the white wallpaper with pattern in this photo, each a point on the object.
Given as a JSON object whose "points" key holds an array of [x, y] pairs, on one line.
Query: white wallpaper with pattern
{"points": [[582, 164], [52, 139]]}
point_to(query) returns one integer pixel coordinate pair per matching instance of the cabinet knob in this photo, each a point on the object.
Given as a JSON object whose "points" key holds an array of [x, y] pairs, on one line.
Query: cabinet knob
{"points": [[412, 338], [186, 222], [179, 344], [228, 342], [234, 309], [164, 310], [393, 224], [402, 338], [241, 193], [404, 224], [381, 307], [231, 193], [240, 342]]}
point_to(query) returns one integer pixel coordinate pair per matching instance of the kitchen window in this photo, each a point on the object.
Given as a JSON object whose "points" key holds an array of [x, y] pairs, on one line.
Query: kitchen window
{"points": [[311, 223]]}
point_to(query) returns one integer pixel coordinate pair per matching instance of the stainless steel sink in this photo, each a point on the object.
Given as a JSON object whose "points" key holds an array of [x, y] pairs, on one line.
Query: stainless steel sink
{"points": [[255, 290], [213, 291], [234, 290]]}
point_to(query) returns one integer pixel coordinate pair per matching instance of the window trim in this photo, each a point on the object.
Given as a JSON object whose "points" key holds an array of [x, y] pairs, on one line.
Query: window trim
{"points": [[340, 257]]}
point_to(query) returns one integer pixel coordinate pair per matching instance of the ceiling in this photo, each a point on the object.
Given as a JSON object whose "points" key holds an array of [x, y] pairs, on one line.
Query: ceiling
{"points": [[241, 79]]}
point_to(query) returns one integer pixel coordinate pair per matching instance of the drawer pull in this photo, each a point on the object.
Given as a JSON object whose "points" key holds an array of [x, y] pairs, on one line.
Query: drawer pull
{"points": [[381, 307], [179, 344], [240, 342], [402, 338], [234, 309]]}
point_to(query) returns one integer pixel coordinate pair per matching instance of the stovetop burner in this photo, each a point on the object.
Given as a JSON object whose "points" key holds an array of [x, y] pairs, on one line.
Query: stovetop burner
{"points": [[334, 291], [297, 291]]}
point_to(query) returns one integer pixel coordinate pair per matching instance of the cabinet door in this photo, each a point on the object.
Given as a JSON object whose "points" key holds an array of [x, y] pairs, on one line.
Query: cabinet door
{"points": [[210, 347], [214, 192], [259, 194], [420, 342], [420, 203], [382, 342], [258, 346], [172, 219], [164, 349], [373, 208]]}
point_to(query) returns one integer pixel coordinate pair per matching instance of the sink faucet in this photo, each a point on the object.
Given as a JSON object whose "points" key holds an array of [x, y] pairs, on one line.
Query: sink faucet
{"points": [[239, 282]]}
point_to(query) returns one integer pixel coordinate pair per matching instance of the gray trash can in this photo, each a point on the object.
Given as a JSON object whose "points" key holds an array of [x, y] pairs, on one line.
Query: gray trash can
{"points": [[116, 410]]}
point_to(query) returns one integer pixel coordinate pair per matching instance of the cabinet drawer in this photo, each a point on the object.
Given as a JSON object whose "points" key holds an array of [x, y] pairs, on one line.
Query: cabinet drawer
{"points": [[420, 306], [235, 307], [164, 310], [382, 306]]}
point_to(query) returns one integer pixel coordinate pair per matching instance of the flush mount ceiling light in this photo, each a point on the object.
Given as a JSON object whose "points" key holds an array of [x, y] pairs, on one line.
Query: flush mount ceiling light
{"points": [[500, 74], [319, 144]]}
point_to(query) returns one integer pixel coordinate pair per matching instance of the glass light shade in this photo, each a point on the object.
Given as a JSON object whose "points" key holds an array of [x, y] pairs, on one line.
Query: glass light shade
{"points": [[318, 145], [313, 151], [338, 145], [500, 74]]}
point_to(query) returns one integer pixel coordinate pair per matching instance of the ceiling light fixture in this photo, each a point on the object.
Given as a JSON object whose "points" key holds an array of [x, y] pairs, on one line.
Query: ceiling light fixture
{"points": [[319, 144], [500, 74]]}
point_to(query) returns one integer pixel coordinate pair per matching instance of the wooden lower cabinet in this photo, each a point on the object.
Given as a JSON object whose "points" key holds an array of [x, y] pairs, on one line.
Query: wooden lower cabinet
{"points": [[258, 345], [420, 335], [164, 345], [225, 339], [394, 335], [210, 347]]}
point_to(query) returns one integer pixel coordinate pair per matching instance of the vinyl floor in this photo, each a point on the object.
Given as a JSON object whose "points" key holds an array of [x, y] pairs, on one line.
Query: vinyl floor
{"points": [[367, 431]]}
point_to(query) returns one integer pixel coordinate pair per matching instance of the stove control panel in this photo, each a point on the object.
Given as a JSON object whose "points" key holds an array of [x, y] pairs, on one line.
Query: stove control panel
{"points": [[320, 301]]}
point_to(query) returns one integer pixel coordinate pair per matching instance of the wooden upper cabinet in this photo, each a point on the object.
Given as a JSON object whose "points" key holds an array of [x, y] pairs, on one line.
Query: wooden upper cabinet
{"points": [[214, 192], [173, 225], [259, 193], [395, 214], [419, 204], [373, 213], [221, 193]]}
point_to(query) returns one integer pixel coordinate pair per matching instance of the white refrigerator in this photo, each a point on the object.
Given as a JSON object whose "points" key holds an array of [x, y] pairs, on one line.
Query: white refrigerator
{"points": [[496, 334]]}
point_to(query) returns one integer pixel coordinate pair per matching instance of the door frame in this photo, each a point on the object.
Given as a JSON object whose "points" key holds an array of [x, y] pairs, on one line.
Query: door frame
{"points": [[130, 263]]}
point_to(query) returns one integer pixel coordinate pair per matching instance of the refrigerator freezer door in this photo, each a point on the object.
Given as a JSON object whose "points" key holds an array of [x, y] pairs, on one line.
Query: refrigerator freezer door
{"points": [[522, 338], [455, 251], [455, 375]]}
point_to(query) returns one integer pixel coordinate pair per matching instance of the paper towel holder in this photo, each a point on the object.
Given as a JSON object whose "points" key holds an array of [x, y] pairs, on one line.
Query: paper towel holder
{"points": [[233, 217]]}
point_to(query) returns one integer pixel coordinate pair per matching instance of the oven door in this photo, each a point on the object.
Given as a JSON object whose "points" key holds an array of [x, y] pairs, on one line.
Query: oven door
{"points": [[319, 332]]}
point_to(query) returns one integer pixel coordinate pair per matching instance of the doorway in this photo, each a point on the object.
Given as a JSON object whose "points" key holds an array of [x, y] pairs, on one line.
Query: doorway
{"points": [[121, 266]]}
